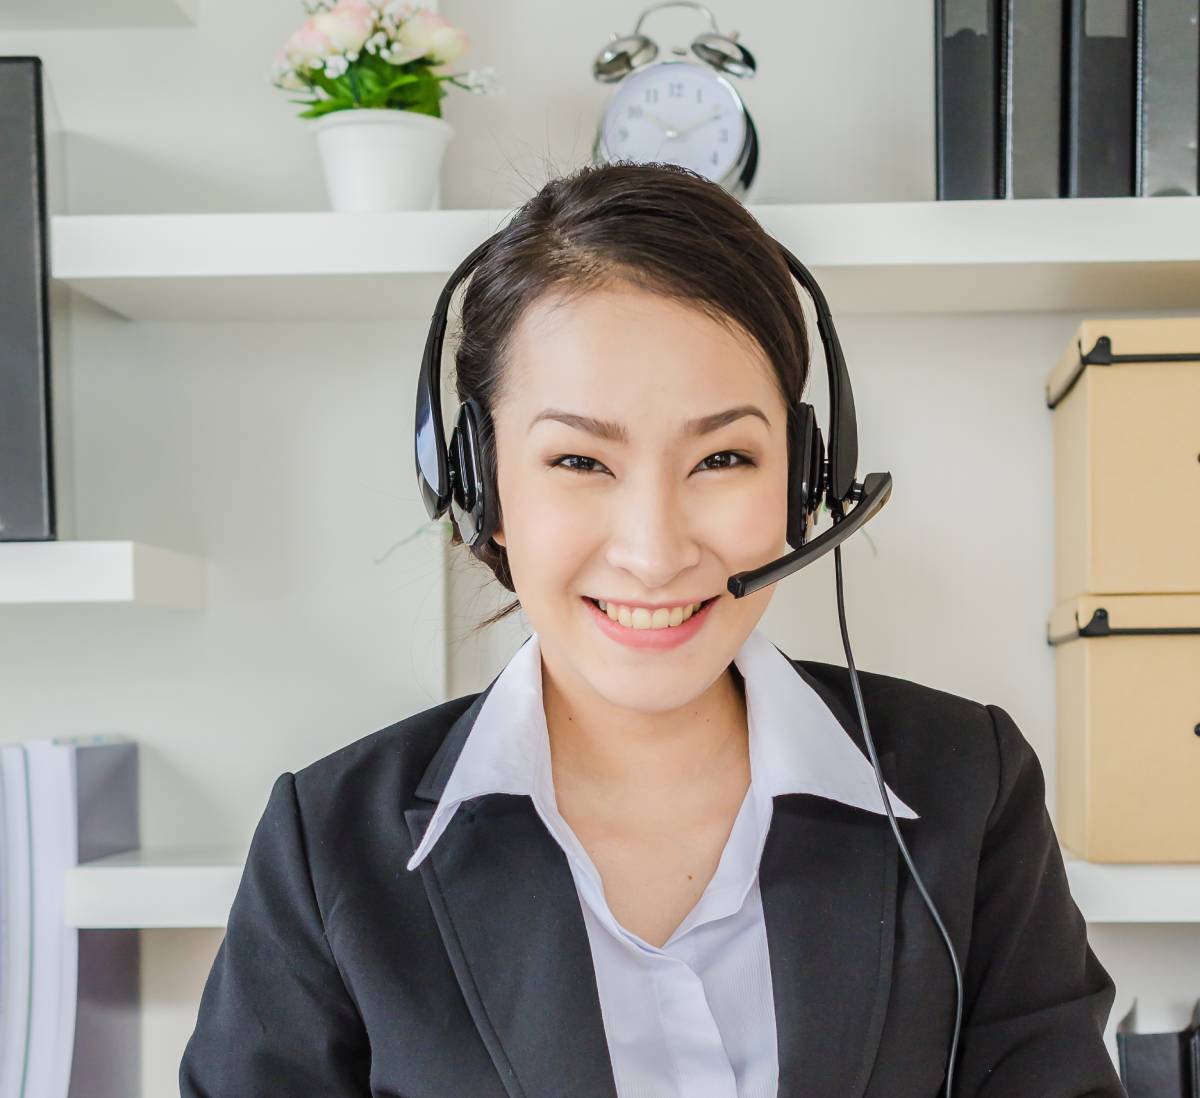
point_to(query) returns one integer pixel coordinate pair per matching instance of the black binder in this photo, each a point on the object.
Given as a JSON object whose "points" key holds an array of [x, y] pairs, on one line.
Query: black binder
{"points": [[1031, 76], [1167, 118], [967, 98], [1159, 1065], [28, 503], [1101, 86]]}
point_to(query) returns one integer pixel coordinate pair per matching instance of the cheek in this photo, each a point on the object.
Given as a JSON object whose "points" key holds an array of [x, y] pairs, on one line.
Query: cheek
{"points": [[750, 521], [544, 520]]}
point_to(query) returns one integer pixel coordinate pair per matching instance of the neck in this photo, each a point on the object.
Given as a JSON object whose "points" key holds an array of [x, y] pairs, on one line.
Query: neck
{"points": [[613, 757]]}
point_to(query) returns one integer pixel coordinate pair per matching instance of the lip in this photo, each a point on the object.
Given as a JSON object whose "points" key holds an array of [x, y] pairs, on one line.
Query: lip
{"points": [[661, 639]]}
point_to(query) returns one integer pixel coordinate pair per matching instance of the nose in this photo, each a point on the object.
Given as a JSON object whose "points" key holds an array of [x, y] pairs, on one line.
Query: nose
{"points": [[652, 534]]}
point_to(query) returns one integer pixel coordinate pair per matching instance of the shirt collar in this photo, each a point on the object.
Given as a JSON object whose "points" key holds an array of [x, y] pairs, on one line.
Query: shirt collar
{"points": [[796, 743]]}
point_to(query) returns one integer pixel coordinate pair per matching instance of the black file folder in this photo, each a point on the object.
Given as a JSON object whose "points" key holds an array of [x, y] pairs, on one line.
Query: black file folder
{"points": [[1031, 76], [1101, 88], [1167, 118], [31, 495], [1159, 1065], [967, 98]]}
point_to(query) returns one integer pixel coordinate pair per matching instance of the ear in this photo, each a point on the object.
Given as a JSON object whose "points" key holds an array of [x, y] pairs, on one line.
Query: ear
{"points": [[498, 538]]}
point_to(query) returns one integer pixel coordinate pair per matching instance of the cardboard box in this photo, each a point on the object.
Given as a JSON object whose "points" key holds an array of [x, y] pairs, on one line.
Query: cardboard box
{"points": [[1126, 400], [1127, 670]]}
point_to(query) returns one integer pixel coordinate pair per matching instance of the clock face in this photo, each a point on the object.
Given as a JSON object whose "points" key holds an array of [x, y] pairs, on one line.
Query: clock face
{"points": [[677, 112]]}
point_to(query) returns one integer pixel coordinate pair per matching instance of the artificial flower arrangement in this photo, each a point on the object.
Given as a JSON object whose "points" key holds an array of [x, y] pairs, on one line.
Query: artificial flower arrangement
{"points": [[374, 54]]}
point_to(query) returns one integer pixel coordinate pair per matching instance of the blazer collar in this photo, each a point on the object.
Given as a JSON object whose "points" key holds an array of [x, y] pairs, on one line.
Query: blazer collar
{"points": [[506, 904], [797, 745]]}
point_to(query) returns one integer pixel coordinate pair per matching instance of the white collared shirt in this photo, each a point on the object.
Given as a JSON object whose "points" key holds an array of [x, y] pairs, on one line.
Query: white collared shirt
{"points": [[696, 1017]]}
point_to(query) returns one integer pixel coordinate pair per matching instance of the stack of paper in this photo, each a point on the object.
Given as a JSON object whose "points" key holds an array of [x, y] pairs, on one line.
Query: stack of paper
{"points": [[69, 999]]}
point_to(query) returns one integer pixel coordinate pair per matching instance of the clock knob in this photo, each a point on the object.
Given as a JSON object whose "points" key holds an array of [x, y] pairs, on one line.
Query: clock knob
{"points": [[724, 53], [621, 56]]}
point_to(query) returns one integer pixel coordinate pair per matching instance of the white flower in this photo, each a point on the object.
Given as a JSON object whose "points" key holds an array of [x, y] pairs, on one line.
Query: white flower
{"points": [[284, 76], [335, 66], [480, 81]]}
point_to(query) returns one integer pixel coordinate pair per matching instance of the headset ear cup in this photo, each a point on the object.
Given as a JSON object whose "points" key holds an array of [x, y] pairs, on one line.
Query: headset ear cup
{"points": [[802, 426], [464, 489], [473, 509], [817, 483], [486, 505]]}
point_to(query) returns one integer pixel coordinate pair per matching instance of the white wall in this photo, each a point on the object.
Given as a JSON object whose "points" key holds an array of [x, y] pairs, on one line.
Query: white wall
{"points": [[282, 453]]}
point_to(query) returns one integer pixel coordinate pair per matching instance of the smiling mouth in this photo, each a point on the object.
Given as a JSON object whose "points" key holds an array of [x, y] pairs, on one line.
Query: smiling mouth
{"points": [[644, 621]]}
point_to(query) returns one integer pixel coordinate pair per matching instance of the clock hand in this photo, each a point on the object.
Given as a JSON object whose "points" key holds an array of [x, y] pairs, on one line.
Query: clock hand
{"points": [[715, 113], [665, 126]]}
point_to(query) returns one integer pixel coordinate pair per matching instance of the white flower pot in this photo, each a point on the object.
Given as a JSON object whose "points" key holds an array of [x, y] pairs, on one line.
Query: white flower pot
{"points": [[378, 159]]}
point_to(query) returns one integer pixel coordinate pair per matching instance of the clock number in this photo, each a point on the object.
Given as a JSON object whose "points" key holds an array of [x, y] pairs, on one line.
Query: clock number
{"points": [[623, 133], [651, 95], [635, 111], [699, 95], [714, 156], [675, 89], [724, 136]]}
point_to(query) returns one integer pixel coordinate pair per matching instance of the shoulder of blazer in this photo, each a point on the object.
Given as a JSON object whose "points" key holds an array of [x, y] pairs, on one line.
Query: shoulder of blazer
{"points": [[898, 699], [376, 772], [946, 748]]}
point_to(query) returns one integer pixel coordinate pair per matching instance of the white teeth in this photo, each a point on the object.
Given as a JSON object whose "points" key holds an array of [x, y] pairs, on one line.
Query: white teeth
{"points": [[638, 617]]}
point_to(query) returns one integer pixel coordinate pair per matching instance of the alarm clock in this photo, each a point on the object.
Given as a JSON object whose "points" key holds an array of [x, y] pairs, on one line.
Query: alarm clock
{"points": [[679, 110]]}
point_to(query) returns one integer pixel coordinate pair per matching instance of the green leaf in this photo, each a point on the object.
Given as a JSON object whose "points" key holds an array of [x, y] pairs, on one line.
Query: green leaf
{"points": [[336, 88], [400, 81], [325, 106]]}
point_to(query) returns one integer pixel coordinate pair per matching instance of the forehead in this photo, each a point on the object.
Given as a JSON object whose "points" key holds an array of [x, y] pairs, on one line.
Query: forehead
{"points": [[622, 346]]}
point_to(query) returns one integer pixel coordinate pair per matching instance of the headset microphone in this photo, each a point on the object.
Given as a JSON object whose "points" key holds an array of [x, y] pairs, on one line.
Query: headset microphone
{"points": [[870, 497], [452, 478]]}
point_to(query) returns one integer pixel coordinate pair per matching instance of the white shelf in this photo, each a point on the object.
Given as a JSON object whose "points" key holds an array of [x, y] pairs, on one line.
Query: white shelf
{"points": [[269, 266], [129, 572], [93, 15], [932, 257], [1165, 892], [154, 889]]}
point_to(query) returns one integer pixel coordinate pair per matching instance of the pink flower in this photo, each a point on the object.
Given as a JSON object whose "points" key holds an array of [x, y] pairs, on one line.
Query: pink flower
{"points": [[308, 46], [348, 25], [429, 35]]}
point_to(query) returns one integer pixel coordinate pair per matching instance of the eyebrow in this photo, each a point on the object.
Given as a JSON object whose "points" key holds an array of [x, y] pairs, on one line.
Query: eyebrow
{"points": [[616, 432]]}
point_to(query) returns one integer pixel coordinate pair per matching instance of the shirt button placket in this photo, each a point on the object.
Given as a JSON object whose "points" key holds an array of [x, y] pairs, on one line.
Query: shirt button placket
{"points": [[703, 1064]]}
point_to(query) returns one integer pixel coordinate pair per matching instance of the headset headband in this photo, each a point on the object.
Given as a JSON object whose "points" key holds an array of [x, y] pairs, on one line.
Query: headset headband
{"points": [[433, 473]]}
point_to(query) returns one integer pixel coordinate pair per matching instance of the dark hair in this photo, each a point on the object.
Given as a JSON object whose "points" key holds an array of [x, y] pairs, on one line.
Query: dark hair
{"points": [[660, 227]]}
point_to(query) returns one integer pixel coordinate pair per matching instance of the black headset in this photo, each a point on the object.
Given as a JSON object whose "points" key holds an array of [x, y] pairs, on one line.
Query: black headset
{"points": [[452, 478]]}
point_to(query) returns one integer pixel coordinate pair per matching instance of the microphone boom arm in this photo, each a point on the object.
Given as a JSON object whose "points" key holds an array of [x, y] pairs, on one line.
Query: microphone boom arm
{"points": [[875, 490]]}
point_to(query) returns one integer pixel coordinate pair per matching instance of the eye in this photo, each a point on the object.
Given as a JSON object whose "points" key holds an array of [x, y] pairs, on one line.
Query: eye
{"points": [[565, 458], [742, 459]]}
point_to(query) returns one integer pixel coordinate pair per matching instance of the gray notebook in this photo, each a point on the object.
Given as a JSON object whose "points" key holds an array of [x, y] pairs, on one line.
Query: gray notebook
{"points": [[1031, 69], [1168, 106]]}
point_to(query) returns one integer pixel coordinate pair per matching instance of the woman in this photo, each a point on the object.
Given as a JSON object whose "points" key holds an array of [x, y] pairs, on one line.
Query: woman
{"points": [[651, 858]]}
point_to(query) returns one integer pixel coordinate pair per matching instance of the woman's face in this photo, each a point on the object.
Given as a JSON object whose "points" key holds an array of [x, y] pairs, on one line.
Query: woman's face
{"points": [[660, 508]]}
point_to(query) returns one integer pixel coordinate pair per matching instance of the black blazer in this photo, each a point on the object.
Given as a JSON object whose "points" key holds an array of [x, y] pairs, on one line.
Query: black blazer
{"points": [[342, 973]]}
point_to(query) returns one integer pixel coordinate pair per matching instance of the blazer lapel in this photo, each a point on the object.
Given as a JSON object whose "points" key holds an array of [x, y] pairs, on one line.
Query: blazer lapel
{"points": [[828, 885], [505, 902], [828, 880]]}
